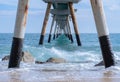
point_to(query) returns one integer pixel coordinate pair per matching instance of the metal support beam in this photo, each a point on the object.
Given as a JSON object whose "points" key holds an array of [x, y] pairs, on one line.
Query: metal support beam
{"points": [[74, 23], [103, 32], [45, 23], [20, 26]]}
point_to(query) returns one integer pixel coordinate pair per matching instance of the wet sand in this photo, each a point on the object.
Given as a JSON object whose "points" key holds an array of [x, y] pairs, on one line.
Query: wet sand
{"points": [[36, 75]]}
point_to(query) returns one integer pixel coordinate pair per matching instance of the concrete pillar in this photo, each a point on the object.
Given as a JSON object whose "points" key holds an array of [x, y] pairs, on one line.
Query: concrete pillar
{"points": [[71, 38], [68, 32], [49, 39], [64, 29], [58, 31], [45, 23], [103, 32], [54, 36], [74, 23], [19, 31]]}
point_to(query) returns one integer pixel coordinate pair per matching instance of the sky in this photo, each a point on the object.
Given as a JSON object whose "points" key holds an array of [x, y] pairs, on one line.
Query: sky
{"points": [[84, 15]]}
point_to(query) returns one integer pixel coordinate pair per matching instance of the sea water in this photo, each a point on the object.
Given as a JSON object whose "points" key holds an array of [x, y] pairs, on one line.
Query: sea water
{"points": [[79, 58]]}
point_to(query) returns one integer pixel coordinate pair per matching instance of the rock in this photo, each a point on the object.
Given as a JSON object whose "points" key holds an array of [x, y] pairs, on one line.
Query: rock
{"points": [[39, 62], [100, 63], [26, 57], [52, 60], [6, 58], [56, 60]]}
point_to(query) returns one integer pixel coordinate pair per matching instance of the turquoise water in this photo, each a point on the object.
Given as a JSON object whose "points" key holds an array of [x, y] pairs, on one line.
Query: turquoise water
{"points": [[62, 47], [80, 59]]}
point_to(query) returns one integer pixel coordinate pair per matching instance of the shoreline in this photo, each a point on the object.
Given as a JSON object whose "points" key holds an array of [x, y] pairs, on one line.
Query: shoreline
{"points": [[37, 75]]}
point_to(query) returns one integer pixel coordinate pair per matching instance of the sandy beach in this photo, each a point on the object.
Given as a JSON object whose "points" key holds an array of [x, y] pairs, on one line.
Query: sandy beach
{"points": [[48, 75]]}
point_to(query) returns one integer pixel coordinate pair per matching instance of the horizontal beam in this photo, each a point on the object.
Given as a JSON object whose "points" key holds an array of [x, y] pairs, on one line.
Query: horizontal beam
{"points": [[61, 1], [60, 12], [61, 18]]}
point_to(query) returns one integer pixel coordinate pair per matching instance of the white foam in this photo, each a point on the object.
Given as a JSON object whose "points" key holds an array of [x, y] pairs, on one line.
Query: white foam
{"points": [[76, 56], [113, 70]]}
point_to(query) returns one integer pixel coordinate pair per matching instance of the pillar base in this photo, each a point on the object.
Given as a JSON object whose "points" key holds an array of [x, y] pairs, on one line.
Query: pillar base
{"points": [[71, 38], [41, 39], [78, 40], [54, 37], [16, 53], [49, 39], [57, 35], [107, 53]]}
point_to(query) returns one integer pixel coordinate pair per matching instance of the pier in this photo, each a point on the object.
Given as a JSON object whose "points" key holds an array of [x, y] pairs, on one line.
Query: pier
{"points": [[62, 11]]}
